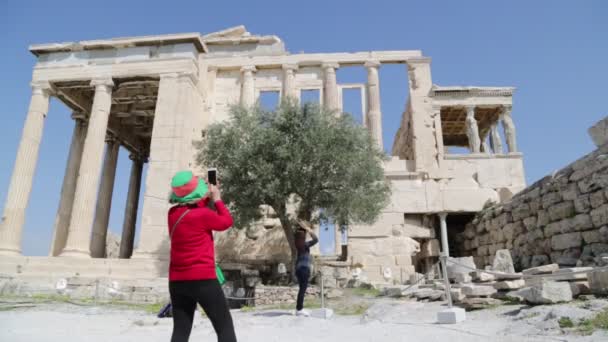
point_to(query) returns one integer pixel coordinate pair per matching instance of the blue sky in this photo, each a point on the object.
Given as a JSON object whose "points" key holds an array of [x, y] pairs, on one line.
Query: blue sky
{"points": [[554, 52]]}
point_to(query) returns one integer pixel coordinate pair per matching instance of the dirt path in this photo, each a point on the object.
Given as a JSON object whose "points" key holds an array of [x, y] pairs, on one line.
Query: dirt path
{"points": [[384, 321]]}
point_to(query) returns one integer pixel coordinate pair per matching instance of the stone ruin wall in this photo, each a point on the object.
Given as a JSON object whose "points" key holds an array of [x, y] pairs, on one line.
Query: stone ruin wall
{"points": [[562, 218]]}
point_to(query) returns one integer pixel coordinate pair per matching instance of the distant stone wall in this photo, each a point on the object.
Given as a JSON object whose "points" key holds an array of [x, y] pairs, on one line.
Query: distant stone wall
{"points": [[275, 295], [563, 218]]}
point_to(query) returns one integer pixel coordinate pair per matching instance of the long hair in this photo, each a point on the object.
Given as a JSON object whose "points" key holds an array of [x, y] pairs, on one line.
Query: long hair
{"points": [[300, 240]]}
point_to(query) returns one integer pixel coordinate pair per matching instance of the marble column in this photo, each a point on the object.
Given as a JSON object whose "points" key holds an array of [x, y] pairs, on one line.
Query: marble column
{"points": [[247, 86], [485, 147], [19, 189], [89, 173], [445, 249], [104, 199], [374, 113], [62, 220], [331, 98], [128, 227], [495, 139], [472, 130], [509, 127], [289, 82]]}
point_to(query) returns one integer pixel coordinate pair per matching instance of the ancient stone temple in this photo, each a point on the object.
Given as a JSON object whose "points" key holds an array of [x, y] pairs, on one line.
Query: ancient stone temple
{"points": [[155, 95]]}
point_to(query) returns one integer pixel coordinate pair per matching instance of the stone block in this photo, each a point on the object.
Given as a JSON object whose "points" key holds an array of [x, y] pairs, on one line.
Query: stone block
{"points": [[582, 204], [553, 228], [456, 294], [510, 284], [542, 218], [580, 222], [323, 313], [570, 193], [550, 199], [506, 276], [478, 303], [483, 277], [429, 294], [596, 199], [545, 269], [561, 211], [598, 282], [538, 260], [603, 233], [568, 274], [599, 132], [460, 265], [565, 241], [530, 222], [462, 278], [592, 236], [503, 262], [521, 211], [451, 316], [599, 216], [579, 288], [550, 292], [478, 290]]}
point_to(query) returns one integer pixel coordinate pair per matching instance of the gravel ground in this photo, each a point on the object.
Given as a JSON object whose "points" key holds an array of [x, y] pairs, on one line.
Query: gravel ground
{"points": [[384, 321]]}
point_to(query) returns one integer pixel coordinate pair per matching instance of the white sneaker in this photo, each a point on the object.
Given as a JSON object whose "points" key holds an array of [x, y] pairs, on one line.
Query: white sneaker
{"points": [[303, 312]]}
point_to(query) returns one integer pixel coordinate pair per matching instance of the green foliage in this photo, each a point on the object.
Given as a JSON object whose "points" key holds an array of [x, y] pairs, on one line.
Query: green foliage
{"points": [[302, 153], [565, 322], [352, 310], [364, 292], [599, 321]]}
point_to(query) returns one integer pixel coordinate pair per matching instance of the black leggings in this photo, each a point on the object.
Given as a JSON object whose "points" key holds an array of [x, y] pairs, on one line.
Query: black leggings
{"points": [[209, 294], [302, 273]]}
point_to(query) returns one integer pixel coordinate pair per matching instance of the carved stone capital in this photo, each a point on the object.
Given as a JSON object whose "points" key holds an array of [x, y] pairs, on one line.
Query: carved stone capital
{"points": [[330, 65], [79, 116], [111, 139], [290, 67], [506, 110], [102, 84], [470, 110], [41, 88], [138, 157], [248, 69], [168, 76], [372, 64]]}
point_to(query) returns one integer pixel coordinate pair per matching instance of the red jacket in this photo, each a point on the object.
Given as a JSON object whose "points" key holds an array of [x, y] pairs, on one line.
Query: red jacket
{"points": [[192, 252]]}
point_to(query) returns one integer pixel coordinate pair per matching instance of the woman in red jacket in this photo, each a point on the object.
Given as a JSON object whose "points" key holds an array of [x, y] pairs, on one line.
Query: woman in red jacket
{"points": [[192, 277]]}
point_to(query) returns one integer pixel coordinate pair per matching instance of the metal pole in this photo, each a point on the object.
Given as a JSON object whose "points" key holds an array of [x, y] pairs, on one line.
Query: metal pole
{"points": [[445, 253], [444, 234], [322, 292], [446, 281]]}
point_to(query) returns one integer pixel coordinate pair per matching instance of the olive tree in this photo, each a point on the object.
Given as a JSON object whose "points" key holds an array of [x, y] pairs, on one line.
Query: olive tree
{"points": [[300, 159]]}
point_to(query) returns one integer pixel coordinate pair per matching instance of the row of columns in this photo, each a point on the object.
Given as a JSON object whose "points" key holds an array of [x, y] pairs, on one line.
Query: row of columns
{"points": [[81, 206], [331, 96], [477, 142]]}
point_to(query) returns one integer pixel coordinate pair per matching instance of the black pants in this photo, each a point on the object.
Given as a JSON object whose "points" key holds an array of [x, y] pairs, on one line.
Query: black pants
{"points": [[302, 273], [207, 293]]}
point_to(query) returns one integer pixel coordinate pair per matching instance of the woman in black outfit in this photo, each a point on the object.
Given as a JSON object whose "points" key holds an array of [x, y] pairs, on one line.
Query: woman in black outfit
{"points": [[303, 263]]}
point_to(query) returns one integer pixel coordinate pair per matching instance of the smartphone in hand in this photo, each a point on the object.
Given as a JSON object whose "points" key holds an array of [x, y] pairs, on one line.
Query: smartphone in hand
{"points": [[212, 176]]}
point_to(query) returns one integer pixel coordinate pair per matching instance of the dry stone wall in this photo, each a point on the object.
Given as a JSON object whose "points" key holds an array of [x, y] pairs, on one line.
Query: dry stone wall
{"points": [[563, 219]]}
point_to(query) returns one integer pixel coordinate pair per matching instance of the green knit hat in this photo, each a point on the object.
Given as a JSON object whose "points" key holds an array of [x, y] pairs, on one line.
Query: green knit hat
{"points": [[186, 187]]}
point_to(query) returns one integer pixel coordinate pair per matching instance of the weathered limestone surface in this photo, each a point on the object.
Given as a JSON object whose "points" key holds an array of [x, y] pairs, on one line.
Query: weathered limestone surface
{"points": [[599, 132], [89, 175], [561, 219], [550, 292], [20, 186]]}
